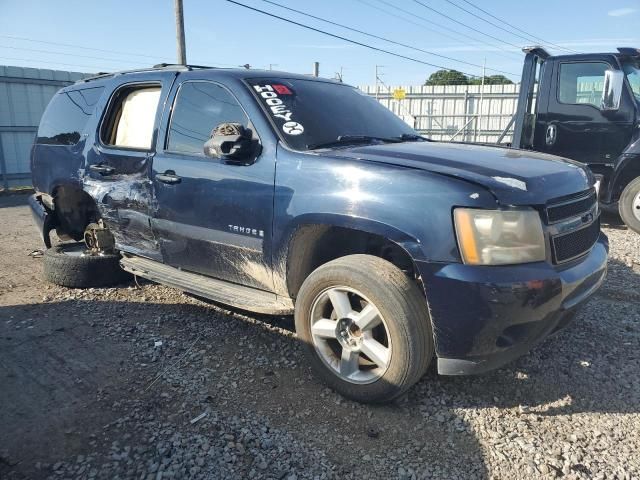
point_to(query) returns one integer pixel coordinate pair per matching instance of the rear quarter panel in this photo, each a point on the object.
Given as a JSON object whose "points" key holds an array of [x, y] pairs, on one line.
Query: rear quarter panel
{"points": [[54, 166]]}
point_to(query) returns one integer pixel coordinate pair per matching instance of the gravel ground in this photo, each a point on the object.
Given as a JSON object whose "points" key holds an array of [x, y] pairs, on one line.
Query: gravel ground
{"points": [[142, 381]]}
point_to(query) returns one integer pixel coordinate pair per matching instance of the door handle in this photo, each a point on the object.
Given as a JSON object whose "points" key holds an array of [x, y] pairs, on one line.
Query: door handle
{"points": [[103, 170], [168, 177], [551, 135]]}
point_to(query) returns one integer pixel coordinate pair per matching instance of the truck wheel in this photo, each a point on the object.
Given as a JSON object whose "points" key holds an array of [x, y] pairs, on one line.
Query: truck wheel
{"points": [[365, 326], [69, 265], [629, 205]]}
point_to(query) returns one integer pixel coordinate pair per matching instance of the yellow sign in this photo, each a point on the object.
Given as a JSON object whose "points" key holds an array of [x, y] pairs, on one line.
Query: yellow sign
{"points": [[399, 94]]}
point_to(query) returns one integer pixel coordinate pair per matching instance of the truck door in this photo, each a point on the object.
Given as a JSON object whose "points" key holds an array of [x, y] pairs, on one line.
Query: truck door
{"points": [[573, 125], [118, 168], [212, 217]]}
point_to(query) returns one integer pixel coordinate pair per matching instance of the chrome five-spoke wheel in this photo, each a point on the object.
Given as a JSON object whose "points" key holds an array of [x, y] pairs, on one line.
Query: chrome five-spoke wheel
{"points": [[365, 327], [350, 335]]}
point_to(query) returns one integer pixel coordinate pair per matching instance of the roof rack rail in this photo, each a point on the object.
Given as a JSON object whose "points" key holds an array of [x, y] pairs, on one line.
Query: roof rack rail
{"points": [[159, 66], [178, 65]]}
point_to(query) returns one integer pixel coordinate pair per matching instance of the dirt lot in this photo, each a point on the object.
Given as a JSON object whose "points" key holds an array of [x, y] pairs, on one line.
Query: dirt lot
{"points": [[87, 391]]}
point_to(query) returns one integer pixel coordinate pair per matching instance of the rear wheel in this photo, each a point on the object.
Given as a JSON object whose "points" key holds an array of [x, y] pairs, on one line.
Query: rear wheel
{"points": [[629, 205], [365, 326], [72, 265]]}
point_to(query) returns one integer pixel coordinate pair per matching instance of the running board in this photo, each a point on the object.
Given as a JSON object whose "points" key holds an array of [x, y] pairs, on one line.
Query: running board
{"points": [[231, 294]]}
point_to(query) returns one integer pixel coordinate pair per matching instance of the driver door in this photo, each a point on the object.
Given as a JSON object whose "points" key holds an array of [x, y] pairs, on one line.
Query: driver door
{"points": [[574, 126], [212, 217]]}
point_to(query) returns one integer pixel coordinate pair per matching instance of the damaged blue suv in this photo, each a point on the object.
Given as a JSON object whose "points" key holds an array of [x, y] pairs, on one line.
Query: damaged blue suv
{"points": [[280, 193]]}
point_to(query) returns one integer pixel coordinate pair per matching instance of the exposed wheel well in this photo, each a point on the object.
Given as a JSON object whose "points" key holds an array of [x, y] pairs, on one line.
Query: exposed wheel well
{"points": [[315, 245], [74, 210]]}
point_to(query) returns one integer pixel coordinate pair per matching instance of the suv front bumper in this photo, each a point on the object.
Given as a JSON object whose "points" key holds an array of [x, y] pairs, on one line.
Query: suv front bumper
{"points": [[486, 316]]}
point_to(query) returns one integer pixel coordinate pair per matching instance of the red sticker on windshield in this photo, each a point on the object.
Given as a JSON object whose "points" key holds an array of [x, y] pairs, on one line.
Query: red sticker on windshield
{"points": [[282, 89]]}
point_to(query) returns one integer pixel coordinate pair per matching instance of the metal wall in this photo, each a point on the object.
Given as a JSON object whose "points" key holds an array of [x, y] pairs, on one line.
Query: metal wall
{"points": [[24, 94], [466, 113]]}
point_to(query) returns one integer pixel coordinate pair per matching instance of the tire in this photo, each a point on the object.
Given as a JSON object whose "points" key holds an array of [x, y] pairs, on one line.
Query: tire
{"points": [[349, 361], [67, 265], [629, 205]]}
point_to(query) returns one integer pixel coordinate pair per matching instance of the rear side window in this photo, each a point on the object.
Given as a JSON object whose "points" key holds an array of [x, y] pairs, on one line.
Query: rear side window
{"points": [[200, 107], [131, 118], [582, 83], [66, 116]]}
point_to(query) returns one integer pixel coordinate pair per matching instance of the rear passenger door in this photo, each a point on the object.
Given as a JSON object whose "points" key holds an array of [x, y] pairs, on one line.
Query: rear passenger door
{"points": [[213, 217], [118, 170]]}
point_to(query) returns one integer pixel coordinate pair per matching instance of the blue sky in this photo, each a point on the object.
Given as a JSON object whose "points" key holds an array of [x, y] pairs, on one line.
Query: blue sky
{"points": [[130, 34]]}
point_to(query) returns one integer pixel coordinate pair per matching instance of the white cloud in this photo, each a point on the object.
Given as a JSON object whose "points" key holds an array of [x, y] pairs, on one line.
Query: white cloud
{"points": [[621, 12]]}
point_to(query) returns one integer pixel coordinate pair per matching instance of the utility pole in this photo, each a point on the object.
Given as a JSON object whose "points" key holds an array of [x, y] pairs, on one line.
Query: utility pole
{"points": [[182, 50], [271, 65], [316, 69], [378, 78], [479, 116]]}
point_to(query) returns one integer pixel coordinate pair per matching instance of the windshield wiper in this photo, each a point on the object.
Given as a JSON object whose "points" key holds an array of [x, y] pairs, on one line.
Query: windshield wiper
{"points": [[349, 139], [412, 137]]}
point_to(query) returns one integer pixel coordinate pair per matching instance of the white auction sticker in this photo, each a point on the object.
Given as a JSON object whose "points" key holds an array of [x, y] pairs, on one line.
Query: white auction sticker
{"points": [[292, 128]]}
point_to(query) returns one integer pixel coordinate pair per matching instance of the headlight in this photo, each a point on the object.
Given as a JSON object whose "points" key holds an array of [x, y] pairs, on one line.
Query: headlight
{"points": [[499, 237]]}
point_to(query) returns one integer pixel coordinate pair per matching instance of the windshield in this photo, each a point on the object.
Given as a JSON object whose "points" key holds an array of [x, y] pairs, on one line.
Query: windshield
{"points": [[632, 70], [309, 113]]}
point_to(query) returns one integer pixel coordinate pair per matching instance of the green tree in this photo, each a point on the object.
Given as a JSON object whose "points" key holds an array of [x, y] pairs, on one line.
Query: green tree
{"points": [[447, 77], [491, 80]]}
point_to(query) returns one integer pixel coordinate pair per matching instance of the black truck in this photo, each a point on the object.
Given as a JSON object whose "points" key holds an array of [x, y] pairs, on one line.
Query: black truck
{"points": [[586, 107], [279, 193]]}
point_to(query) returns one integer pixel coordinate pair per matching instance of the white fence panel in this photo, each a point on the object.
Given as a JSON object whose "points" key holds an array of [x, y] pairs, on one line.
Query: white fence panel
{"points": [[467, 113]]}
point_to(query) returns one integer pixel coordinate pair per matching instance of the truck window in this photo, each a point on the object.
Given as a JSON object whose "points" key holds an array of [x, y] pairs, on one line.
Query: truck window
{"points": [[200, 106], [632, 71], [66, 116], [581, 83], [131, 118]]}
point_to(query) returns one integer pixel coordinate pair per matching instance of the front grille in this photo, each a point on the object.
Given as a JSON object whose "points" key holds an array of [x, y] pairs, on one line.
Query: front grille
{"points": [[574, 244], [571, 208]]}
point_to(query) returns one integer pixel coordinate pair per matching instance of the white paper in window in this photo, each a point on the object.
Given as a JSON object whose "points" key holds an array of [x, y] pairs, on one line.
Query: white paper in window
{"points": [[135, 128]]}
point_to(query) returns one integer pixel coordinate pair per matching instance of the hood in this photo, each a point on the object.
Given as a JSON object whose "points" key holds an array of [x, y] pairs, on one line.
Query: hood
{"points": [[515, 177]]}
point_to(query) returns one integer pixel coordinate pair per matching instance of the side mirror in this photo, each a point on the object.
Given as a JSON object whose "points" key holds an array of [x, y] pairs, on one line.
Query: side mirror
{"points": [[230, 141], [612, 90]]}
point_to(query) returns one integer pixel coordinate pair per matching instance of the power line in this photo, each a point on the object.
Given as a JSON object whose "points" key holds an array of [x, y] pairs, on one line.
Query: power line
{"points": [[72, 54], [528, 38], [411, 21], [488, 21], [55, 63], [339, 37], [154, 57], [465, 25], [512, 54], [516, 28], [381, 38], [78, 46]]}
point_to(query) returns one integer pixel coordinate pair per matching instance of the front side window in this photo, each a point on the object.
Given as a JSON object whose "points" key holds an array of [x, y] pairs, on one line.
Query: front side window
{"points": [[309, 113], [67, 115], [199, 108], [582, 83], [632, 71], [132, 117]]}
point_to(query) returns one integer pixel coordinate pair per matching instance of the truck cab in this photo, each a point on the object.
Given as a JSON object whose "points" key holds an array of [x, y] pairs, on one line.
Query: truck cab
{"points": [[586, 107]]}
